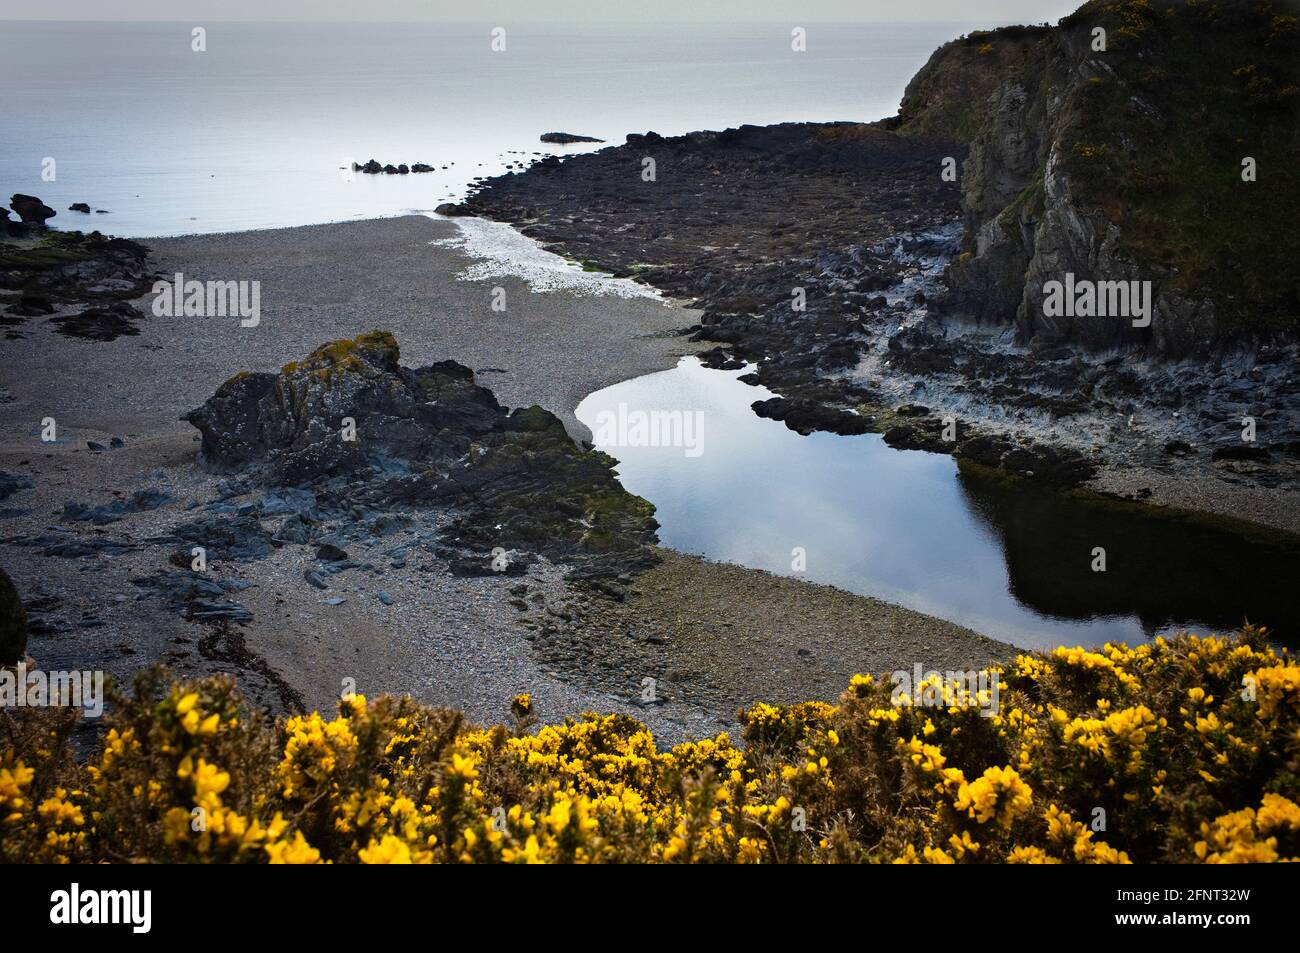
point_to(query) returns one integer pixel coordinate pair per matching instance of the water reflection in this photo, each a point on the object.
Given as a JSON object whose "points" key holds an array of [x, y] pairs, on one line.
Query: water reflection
{"points": [[1011, 561], [1165, 570]]}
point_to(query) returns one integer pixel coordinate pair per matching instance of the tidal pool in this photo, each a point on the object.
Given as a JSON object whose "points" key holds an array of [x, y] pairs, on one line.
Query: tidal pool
{"points": [[1010, 559]]}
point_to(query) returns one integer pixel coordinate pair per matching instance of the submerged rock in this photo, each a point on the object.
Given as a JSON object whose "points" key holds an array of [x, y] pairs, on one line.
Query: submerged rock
{"points": [[368, 436]]}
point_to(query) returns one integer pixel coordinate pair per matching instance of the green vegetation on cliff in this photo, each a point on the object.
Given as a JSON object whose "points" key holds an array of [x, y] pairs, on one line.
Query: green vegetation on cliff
{"points": [[1143, 145], [1195, 89]]}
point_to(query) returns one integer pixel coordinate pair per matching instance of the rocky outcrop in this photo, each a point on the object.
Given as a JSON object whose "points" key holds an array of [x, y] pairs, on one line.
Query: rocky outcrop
{"points": [[1126, 164], [63, 269], [30, 209], [72, 266], [13, 623], [566, 138], [368, 436], [839, 260], [374, 168], [722, 229]]}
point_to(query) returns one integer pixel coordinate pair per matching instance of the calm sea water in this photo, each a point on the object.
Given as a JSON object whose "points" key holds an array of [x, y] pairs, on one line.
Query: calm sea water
{"points": [[1011, 561], [250, 133]]}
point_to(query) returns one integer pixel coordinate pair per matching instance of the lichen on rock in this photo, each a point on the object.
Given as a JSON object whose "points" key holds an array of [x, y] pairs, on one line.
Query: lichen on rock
{"points": [[362, 431]]}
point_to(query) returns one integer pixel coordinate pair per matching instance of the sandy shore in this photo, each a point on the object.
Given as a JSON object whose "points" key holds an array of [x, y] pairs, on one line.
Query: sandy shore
{"points": [[713, 636], [323, 282]]}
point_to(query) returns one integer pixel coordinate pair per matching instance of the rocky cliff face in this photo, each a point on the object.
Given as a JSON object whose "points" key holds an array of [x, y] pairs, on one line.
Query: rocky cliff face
{"points": [[1126, 164]]}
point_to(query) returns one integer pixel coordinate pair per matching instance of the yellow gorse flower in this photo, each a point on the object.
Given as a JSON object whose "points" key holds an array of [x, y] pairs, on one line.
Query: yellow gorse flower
{"points": [[1187, 745]]}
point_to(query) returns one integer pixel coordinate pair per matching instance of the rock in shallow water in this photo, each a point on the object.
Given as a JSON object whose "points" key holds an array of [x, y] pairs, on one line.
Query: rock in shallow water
{"points": [[565, 138], [31, 209]]}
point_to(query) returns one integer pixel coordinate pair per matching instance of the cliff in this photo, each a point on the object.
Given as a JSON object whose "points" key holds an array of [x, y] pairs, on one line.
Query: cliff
{"points": [[1126, 163]]}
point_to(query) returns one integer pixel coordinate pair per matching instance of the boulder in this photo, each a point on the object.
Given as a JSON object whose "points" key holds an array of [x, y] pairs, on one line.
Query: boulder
{"points": [[31, 209], [13, 623]]}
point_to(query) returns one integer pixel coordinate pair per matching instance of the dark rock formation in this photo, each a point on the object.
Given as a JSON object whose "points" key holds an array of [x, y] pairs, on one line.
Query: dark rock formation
{"points": [[62, 269], [32, 305], [565, 138], [13, 623], [369, 437], [1126, 165], [30, 209], [103, 323], [140, 501], [805, 417], [736, 220], [79, 207], [374, 168], [196, 595], [72, 266]]}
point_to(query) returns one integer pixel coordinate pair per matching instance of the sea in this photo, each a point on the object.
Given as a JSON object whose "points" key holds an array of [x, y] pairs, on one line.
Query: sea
{"points": [[256, 125]]}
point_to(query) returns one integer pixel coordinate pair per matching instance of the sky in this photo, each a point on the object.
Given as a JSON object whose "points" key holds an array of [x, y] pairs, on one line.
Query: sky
{"points": [[791, 11]]}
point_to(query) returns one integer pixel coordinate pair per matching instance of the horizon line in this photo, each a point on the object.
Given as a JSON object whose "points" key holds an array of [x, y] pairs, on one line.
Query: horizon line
{"points": [[794, 21]]}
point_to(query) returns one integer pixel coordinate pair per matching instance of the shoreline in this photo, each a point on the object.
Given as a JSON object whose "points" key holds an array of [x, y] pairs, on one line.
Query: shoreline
{"points": [[879, 348], [445, 639]]}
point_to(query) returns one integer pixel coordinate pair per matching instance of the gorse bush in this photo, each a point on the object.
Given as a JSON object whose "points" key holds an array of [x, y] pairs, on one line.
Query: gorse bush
{"points": [[1180, 750]]}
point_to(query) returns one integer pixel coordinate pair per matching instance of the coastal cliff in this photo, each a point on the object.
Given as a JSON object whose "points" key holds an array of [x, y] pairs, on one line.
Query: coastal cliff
{"points": [[1126, 156]]}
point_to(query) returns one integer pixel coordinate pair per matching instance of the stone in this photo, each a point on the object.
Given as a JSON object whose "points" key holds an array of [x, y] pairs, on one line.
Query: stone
{"points": [[13, 623]]}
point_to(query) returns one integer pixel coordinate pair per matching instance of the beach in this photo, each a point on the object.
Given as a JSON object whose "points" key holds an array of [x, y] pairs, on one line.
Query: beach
{"points": [[713, 637]]}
